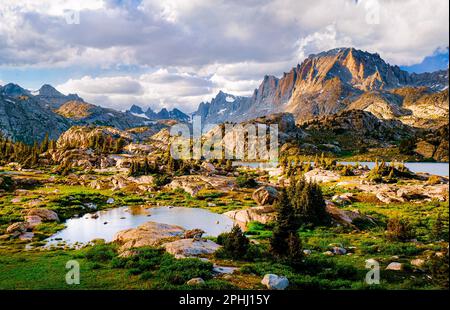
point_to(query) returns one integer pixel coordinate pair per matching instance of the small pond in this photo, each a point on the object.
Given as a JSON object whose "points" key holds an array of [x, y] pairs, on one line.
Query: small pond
{"points": [[111, 221]]}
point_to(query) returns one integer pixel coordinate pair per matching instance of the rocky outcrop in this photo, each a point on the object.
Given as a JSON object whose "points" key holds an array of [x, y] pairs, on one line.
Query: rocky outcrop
{"points": [[265, 195], [192, 184], [191, 248], [345, 217], [321, 176], [147, 234]]}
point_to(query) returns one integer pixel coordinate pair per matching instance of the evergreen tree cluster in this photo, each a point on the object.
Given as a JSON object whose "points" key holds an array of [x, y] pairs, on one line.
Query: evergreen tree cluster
{"points": [[145, 167], [235, 244], [106, 144], [384, 173], [26, 155], [300, 204]]}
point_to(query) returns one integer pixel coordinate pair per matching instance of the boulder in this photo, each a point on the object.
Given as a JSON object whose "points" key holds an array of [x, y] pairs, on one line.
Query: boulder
{"points": [[339, 250], [208, 167], [147, 234], [345, 217], [224, 270], [274, 282], [262, 214], [193, 233], [418, 262], [345, 198], [19, 227], [33, 220], [45, 214], [265, 195], [195, 281], [395, 266], [26, 236], [191, 247]]}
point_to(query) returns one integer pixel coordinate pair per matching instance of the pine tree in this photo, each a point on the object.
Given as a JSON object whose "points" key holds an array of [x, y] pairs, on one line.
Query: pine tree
{"points": [[44, 144], [285, 225]]}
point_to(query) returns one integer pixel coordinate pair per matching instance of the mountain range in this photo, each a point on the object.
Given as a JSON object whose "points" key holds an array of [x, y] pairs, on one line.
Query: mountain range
{"points": [[326, 83], [28, 116], [333, 81], [161, 115]]}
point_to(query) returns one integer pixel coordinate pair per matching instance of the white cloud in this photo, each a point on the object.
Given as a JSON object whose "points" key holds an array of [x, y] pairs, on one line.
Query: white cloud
{"points": [[162, 88], [229, 45]]}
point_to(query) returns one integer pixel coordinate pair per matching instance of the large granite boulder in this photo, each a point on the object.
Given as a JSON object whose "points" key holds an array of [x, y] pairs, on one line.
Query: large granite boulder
{"points": [[265, 195], [45, 214], [148, 234]]}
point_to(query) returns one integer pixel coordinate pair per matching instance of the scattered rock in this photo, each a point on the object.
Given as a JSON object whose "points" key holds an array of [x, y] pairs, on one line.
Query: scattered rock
{"points": [[345, 217], [342, 198], [110, 201], [265, 195], [274, 282], [91, 206], [26, 236], [321, 175], [195, 281], [19, 227], [33, 220], [395, 266], [224, 270], [418, 262], [339, 250], [307, 252], [191, 247], [208, 167], [328, 253]]}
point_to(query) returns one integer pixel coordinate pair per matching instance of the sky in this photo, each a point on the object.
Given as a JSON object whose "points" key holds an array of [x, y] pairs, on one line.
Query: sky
{"points": [[177, 53]]}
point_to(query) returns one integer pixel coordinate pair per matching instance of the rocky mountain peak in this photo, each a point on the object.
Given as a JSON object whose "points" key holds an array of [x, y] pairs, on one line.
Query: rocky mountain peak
{"points": [[48, 90], [136, 109], [14, 90]]}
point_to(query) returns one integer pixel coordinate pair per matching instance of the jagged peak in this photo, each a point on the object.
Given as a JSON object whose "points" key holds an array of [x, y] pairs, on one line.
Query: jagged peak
{"points": [[48, 89]]}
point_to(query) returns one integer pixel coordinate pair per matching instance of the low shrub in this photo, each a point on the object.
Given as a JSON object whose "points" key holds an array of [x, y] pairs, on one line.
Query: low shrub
{"points": [[101, 253]]}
